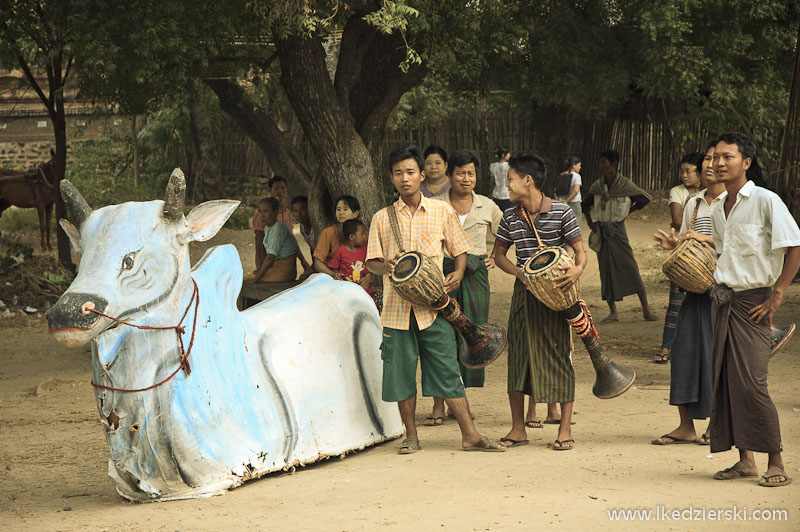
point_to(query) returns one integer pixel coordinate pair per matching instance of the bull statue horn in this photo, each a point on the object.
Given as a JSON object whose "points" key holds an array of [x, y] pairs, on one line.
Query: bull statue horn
{"points": [[77, 207], [176, 194]]}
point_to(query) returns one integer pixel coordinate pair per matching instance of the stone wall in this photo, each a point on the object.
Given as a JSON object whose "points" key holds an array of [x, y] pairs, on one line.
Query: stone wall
{"points": [[24, 155]]}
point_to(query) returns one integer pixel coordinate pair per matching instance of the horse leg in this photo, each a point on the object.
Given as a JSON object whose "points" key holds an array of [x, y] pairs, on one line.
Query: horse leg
{"points": [[48, 216], [40, 209]]}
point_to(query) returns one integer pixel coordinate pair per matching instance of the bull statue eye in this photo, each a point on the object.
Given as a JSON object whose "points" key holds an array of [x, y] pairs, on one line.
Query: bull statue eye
{"points": [[127, 261]]}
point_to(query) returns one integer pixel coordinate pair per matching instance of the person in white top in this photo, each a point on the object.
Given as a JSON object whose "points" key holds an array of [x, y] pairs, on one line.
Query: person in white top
{"points": [[498, 171], [678, 196], [568, 185], [758, 243]]}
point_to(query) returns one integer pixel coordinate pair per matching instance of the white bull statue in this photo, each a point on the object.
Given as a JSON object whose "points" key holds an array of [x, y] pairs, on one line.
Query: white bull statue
{"points": [[289, 381]]}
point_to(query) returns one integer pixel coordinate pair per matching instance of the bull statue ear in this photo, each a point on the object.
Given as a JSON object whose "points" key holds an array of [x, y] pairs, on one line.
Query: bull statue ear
{"points": [[73, 234], [207, 219]]}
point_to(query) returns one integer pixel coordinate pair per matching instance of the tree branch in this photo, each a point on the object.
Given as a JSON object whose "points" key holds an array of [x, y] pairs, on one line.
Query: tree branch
{"points": [[281, 154], [35, 84]]}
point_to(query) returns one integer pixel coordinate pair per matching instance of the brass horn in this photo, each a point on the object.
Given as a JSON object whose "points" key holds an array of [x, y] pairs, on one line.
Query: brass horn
{"points": [[611, 379]]}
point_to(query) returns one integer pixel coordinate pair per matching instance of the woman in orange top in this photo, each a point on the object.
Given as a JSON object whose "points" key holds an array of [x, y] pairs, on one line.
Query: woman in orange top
{"points": [[347, 208]]}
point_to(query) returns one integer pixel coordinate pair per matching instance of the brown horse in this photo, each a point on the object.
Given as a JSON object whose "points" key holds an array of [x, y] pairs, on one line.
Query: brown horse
{"points": [[34, 188]]}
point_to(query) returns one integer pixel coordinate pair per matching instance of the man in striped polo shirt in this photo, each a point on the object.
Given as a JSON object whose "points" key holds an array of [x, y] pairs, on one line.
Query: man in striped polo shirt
{"points": [[539, 363]]}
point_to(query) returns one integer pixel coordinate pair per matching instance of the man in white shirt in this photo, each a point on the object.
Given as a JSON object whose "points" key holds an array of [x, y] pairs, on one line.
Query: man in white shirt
{"points": [[758, 243]]}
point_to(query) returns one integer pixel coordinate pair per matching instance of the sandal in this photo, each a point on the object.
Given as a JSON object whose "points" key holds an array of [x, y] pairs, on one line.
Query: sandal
{"points": [[731, 473], [485, 445], [561, 446], [409, 446], [534, 424], [764, 480], [431, 421], [705, 439], [661, 358]]}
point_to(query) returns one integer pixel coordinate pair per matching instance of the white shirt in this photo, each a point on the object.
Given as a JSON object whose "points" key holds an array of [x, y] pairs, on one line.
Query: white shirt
{"points": [[680, 194], [752, 240], [576, 180], [499, 172], [702, 223]]}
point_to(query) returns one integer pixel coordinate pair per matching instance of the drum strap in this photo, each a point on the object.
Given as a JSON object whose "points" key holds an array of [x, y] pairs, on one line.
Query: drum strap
{"points": [[395, 228], [527, 216], [694, 216]]}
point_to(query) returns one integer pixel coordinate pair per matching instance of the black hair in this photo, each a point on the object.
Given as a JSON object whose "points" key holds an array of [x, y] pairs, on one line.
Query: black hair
{"points": [[694, 158], [746, 147], [430, 150], [756, 174], [273, 203], [300, 199], [569, 162], [461, 158], [612, 156], [350, 227], [408, 152], [275, 179], [529, 164], [351, 201], [501, 151]]}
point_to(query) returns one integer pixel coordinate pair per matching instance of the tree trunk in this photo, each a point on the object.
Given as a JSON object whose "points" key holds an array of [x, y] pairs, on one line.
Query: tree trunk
{"points": [[282, 156], [208, 181], [788, 173], [58, 118], [345, 164], [135, 145]]}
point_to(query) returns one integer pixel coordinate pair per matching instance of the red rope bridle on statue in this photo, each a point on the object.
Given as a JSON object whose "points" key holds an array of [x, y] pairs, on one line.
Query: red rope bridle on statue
{"points": [[179, 328]]}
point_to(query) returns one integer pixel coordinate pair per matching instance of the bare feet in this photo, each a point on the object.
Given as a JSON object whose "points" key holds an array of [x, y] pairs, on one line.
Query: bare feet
{"points": [[649, 316], [740, 469], [611, 318]]}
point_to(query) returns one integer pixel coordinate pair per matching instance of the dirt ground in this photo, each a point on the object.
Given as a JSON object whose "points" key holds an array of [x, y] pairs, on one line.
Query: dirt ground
{"points": [[53, 457]]}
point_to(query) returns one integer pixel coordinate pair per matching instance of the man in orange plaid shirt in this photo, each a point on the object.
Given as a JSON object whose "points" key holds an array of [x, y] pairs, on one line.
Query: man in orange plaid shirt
{"points": [[412, 332]]}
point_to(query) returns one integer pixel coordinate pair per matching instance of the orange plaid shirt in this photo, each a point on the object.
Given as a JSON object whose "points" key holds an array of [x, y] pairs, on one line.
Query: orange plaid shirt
{"points": [[431, 228]]}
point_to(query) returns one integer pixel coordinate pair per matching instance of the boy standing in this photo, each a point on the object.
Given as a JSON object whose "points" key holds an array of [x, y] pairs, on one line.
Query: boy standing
{"points": [[539, 362], [758, 243], [412, 332]]}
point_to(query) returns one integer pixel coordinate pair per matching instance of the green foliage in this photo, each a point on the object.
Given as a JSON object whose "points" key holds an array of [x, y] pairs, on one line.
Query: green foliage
{"points": [[12, 250], [15, 219]]}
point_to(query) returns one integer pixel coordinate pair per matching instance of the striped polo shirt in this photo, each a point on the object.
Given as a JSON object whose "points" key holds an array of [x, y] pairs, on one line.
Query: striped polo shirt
{"points": [[555, 222]]}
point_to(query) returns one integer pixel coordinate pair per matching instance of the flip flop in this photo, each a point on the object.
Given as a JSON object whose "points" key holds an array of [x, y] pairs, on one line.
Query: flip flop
{"points": [[780, 335], [704, 440], [409, 446], [666, 439], [514, 443], [661, 359], [764, 480], [431, 421], [553, 422], [561, 443], [534, 424], [485, 445], [720, 475]]}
